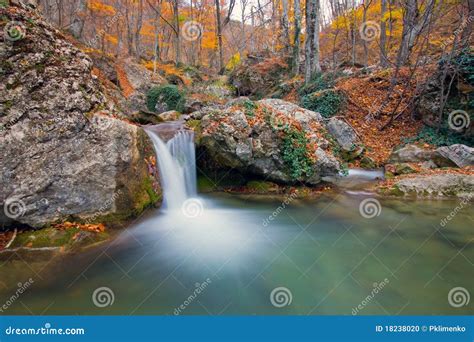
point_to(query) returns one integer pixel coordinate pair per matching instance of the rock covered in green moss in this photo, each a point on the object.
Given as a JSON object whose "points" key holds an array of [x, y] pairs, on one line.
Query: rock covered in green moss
{"points": [[63, 156], [271, 138]]}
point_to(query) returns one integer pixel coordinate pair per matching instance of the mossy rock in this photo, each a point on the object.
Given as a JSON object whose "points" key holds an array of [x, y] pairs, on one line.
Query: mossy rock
{"points": [[52, 237], [262, 186], [367, 163]]}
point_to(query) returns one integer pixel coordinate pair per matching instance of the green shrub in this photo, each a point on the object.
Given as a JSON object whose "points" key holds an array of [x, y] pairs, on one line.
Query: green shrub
{"points": [[295, 154], [328, 102], [249, 108], [319, 82], [169, 94], [444, 137]]}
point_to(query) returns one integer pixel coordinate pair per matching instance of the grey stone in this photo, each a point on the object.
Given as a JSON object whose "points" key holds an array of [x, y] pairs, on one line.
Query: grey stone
{"points": [[62, 157], [459, 154]]}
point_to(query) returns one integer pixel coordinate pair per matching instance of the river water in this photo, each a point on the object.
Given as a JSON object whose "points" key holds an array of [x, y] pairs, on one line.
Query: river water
{"points": [[345, 252]]}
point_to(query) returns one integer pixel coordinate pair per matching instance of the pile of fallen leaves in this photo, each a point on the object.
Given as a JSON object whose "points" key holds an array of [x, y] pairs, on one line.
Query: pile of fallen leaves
{"points": [[95, 228], [5, 238], [125, 85], [369, 109]]}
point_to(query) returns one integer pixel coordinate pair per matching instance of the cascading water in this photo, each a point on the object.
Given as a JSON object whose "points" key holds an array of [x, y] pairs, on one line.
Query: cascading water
{"points": [[177, 167]]}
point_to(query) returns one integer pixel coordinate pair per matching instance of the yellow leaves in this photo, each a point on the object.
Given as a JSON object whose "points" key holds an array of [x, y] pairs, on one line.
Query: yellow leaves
{"points": [[111, 39], [98, 6], [234, 61]]}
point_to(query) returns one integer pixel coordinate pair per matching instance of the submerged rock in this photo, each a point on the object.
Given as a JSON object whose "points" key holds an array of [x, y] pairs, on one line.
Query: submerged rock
{"points": [[63, 157], [271, 138], [440, 185]]}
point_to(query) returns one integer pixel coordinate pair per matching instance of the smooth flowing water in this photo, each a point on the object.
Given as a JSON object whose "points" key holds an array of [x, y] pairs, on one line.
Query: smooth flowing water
{"points": [[246, 254]]}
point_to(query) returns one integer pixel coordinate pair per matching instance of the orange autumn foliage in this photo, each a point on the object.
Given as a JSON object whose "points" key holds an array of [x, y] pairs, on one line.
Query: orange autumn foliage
{"points": [[127, 88]]}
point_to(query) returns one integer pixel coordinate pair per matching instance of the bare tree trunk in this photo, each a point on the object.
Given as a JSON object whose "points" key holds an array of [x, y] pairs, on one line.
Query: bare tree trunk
{"points": [[138, 29], [77, 22], [413, 25], [316, 65], [285, 27], [296, 41], [156, 47], [309, 40], [365, 5], [383, 36], [177, 34], [219, 36]]}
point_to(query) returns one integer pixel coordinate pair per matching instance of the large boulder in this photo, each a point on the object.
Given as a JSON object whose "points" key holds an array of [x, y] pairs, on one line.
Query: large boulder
{"points": [[272, 139], [62, 156], [459, 154], [415, 154], [446, 156], [440, 185], [136, 81], [258, 75]]}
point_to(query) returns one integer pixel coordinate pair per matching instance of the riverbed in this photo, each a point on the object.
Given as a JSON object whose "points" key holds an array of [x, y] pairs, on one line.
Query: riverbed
{"points": [[253, 255]]}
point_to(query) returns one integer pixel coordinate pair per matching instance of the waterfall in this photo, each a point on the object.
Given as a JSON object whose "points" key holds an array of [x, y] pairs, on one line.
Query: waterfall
{"points": [[177, 166]]}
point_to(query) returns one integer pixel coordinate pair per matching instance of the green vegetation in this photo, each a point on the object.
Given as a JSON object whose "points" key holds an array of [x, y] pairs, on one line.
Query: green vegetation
{"points": [[249, 108], [444, 137], [295, 153], [320, 82], [327, 102], [169, 94]]}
